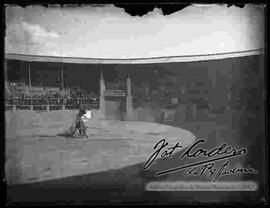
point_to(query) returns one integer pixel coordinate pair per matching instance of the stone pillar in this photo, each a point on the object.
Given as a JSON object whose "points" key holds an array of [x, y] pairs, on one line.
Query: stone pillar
{"points": [[47, 104], [31, 106], [101, 96], [64, 104], [13, 107], [30, 87], [129, 107]]}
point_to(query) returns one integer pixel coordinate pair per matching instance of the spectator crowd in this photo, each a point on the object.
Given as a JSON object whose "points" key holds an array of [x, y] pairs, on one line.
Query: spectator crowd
{"points": [[70, 98]]}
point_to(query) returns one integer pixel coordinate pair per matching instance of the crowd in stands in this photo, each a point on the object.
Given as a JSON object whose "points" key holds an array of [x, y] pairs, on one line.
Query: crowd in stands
{"points": [[71, 98]]}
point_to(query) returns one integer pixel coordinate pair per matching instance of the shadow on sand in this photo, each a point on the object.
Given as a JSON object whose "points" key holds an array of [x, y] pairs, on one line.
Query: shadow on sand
{"points": [[121, 186], [66, 135], [114, 186]]}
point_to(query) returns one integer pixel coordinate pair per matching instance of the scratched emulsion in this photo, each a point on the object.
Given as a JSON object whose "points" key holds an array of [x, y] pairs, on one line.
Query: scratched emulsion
{"points": [[35, 154]]}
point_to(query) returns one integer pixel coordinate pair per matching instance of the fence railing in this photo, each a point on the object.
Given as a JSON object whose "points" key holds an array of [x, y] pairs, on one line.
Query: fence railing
{"points": [[49, 104]]}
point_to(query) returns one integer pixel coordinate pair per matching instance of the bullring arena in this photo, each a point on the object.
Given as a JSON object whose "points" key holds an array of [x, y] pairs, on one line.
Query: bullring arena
{"points": [[178, 74], [39, 148]]}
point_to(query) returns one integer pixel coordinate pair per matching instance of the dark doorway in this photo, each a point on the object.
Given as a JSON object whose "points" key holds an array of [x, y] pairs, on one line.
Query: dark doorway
{"points": [[115, 108]]}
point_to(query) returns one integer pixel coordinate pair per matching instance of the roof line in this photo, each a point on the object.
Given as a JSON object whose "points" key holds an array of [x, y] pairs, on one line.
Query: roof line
{"points": [[161, 59]]}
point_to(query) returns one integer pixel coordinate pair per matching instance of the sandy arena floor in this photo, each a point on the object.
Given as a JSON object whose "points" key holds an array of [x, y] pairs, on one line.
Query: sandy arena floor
{"points": [[37, 148]]}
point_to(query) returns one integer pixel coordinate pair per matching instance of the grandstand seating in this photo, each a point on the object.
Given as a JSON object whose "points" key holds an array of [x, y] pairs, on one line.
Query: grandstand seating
{"points": [[22, 97]]}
